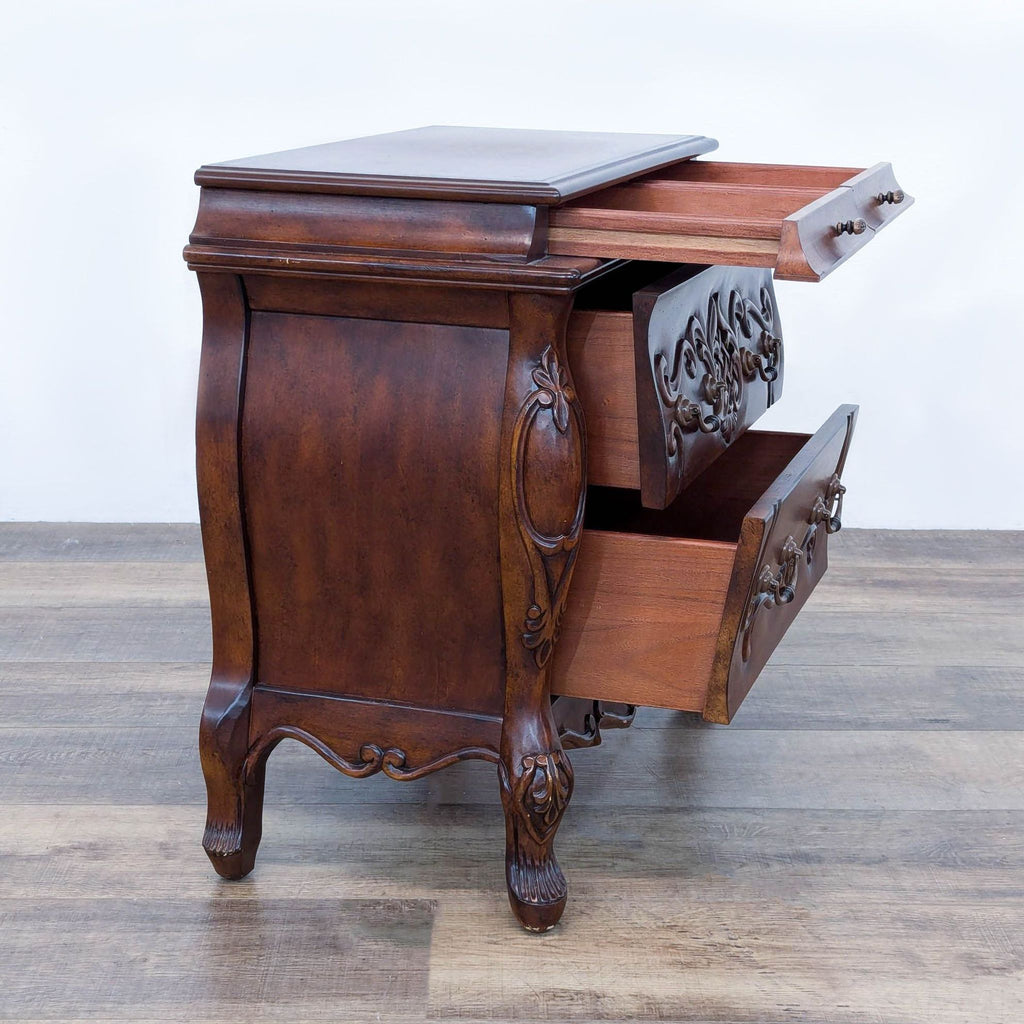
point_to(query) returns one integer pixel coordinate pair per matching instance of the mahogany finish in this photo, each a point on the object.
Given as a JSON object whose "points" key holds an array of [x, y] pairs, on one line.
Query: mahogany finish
{"points": [[392, 458]]}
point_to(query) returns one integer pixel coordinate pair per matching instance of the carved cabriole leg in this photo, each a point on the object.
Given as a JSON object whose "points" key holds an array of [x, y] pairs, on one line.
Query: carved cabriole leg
{"points": [[234, 813], [542, 498]]}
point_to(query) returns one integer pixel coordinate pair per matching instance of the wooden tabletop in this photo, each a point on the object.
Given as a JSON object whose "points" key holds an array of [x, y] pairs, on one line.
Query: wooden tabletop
{"points": [[495, 164]]}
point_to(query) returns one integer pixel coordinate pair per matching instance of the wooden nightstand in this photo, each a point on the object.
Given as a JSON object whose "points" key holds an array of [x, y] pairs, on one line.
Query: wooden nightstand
{"points": [[394, 454]]}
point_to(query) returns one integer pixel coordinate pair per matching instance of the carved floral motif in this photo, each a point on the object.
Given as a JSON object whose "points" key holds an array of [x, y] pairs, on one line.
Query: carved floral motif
{"points": [[539, 792], [554, 390], [551, 555], [535, 799]]}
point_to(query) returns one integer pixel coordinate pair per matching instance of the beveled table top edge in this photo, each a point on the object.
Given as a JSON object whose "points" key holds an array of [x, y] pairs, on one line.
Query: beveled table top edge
{"points": [[320, 168]]}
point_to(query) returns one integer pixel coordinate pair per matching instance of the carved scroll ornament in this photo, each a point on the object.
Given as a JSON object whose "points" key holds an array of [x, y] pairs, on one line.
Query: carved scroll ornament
{"points": [[716, 355], [372, 758]]}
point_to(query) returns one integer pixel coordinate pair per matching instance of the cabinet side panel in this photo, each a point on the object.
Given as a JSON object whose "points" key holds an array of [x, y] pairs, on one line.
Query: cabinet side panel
{"points": [[370, 467]]}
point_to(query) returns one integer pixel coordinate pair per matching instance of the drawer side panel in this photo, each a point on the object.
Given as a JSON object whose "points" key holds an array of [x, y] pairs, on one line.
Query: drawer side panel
{"points": [[642, 619]]}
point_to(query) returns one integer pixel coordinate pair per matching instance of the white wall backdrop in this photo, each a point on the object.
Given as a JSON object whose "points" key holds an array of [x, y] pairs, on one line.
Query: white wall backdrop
{"points": [[106, 109]]}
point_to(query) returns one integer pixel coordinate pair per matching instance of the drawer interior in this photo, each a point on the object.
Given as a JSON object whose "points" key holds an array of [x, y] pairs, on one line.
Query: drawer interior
{"points": [[638, 314], [613, 292], [601, 353], [713, 507], [649, 594], [801, 221], [682, 607]]}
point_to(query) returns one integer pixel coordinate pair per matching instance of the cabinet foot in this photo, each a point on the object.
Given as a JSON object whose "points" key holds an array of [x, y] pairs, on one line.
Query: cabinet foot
{"points": [[234, 787], [535, 792], [234, 821]]}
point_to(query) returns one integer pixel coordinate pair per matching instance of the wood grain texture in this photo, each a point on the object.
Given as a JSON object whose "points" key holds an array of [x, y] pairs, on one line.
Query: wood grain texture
{"points": [[424, 304], [373, 595], [850, 849], [109, 634], [297, 221], [984, 550], [689, 208], [769, 769], [706, 962], [667, 246], [774, 175], [670, 381], [781, 555], [667, 610], [100, 542], [600, 349], [643, 619], [85, 851], [178, 973]]}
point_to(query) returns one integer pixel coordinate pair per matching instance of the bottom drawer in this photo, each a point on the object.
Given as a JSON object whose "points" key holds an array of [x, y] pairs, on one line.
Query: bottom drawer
{"points": [[682, 608]]}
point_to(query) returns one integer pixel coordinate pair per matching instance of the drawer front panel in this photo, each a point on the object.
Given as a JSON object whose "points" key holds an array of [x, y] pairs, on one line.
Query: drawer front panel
{"points": [[709, 362], [781, 556]]}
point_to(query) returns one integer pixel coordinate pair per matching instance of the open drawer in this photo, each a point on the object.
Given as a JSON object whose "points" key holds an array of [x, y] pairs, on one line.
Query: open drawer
{"points": [[672, 371], [682, 608], [801, 221]]}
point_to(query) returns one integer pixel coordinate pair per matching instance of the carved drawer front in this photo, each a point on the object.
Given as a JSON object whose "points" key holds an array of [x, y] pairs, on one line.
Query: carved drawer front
{"points": [[802, 222], [670, 383], [682, 608]]}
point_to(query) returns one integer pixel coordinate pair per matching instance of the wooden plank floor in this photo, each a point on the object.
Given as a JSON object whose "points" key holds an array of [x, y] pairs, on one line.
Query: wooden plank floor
{"points": [[850, 850]]}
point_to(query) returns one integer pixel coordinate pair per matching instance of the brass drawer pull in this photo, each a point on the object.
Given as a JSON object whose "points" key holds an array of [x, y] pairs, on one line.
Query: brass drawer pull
{"points": [[765, 363], [774, 587], [689, 415], [823, 505], [894, 196], [851, 227], [778, 586]]}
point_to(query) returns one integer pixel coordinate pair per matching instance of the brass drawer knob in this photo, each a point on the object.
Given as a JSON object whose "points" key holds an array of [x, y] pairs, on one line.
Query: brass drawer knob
{"points": [[894, 196], [828, 507], [852, 227]]}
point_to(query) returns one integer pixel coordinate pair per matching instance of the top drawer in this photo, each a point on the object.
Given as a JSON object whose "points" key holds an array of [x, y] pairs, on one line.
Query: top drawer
{"points": [[672, 371], [801, 221]]}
